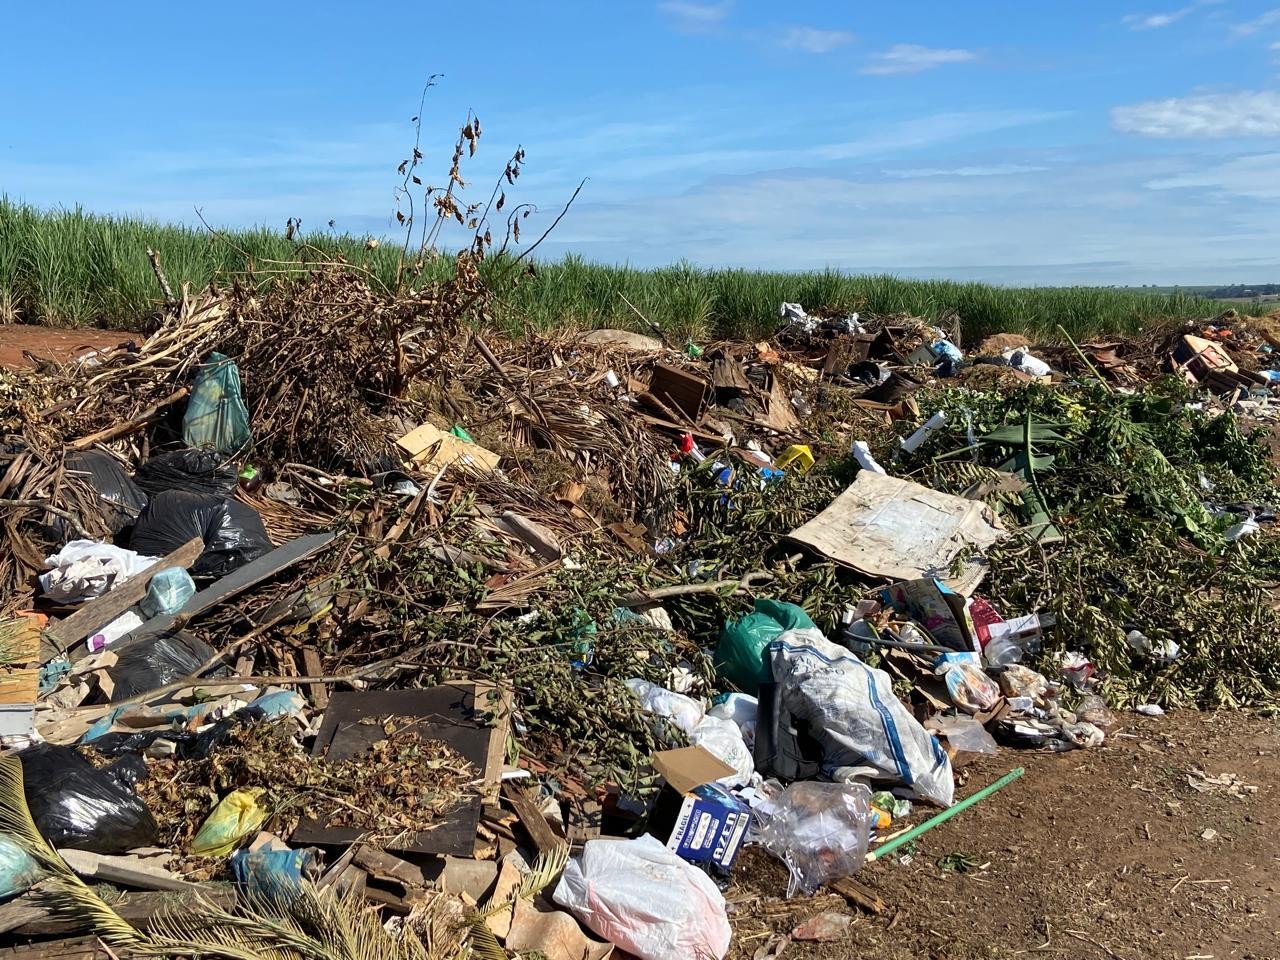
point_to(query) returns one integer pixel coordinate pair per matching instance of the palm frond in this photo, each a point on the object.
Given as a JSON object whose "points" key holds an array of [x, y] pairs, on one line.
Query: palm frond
{"points": [[484, 944], [546, 870]]}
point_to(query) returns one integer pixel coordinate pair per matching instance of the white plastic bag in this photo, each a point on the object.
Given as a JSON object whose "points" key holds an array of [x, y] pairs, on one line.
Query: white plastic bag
{"points": [[639, 895], [723, 738], [84, 569], [820, 831], [741, 708], [864, 729], [682, 712]]}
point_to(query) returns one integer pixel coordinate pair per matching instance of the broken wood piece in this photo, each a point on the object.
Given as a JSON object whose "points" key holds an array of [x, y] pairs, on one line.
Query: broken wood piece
{"points": [[77, 948], [130, 425], [383, 866], [138, 909], [312, 666], [534, 535], [102, 610], [544, 838], [859, 895], [679, 390]]}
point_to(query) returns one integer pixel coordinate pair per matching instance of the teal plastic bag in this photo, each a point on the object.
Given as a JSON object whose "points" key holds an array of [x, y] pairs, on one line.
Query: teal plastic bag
{"points": [[167, 592], [216, 417], [18, 872], [742, 657]]}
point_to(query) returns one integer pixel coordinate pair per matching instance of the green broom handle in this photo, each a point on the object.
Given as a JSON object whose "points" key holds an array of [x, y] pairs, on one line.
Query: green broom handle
{"points": [[945, 815]]}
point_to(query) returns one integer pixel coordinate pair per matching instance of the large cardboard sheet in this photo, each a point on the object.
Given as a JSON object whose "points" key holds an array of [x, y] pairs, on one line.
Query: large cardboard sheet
{"points": [[888, 527]]}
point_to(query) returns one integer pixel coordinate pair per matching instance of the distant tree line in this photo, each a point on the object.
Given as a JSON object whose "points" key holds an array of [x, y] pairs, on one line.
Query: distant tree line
{"points": [[1239, 291]]}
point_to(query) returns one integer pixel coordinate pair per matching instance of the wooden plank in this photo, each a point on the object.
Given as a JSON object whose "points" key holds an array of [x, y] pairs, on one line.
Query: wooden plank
{"points": [[137, 908], [80, 948], [126, 872], [281, 558], [535, 824], [102, 610], [313, 667]]}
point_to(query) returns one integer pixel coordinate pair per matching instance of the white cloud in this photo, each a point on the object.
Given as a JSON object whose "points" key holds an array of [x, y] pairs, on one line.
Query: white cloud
{"points": [[693, 17], [906, 58], [812, 40], [994, 170], [1249, 113], [1250, 27], [1154, 21]]}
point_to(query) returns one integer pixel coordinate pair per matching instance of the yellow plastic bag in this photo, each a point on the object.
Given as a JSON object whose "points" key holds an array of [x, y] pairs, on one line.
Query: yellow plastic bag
{"points": [[235, 817]]}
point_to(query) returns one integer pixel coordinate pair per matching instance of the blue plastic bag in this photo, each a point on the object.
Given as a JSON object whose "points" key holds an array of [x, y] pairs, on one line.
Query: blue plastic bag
{"points": [[18, 872], [216, 417], [271, 874]]}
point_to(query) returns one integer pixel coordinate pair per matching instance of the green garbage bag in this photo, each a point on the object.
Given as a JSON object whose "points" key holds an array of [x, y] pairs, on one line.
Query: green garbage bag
{"points": [[216, 417], [742, 656]]}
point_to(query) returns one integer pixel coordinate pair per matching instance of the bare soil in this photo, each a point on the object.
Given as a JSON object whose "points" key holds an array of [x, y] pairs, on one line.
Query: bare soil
{"points": [[1098, 854], [51, 343]]}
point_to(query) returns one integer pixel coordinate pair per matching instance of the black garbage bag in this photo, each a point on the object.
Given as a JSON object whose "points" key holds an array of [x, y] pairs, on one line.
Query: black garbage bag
{"points": [[143, 666], [123, 499], [193, 471], [233, 533], [78, 806]]}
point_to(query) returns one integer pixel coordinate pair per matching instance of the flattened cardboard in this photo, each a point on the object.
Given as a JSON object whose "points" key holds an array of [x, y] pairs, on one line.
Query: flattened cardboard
{"points": [[892, 528], [432, 448], [689, 767]]}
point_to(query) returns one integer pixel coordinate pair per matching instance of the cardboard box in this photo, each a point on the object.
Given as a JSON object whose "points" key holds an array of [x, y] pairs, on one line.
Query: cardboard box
{"points": [[431, 448], [699, 820]]}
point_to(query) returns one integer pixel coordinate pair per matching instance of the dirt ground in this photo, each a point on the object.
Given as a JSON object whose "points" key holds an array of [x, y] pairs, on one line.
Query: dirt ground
{"points": [[1099, 854], [52, 343]]}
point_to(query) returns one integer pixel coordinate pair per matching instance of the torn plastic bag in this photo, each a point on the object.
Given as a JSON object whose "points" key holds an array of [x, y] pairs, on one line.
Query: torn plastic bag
{"points": [[820, 831], [965, 733], [151, 663], [233, 533], [851, 710], [216, 417], [123, 500], [641, 897], [742, 656], [191, 471], [84, 569], [18, 872], [78, 806]]}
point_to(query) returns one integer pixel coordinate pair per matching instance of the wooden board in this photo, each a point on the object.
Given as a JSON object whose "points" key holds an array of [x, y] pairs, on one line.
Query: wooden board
{"points": [[102, 610], [677, 390], [471, 717], [233, 583]]}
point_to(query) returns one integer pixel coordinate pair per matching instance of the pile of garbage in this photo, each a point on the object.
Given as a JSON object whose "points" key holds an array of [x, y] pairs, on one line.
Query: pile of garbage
{"points": [[327, 619]]}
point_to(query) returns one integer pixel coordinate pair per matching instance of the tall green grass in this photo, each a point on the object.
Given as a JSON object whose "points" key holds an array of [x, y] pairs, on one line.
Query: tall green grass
{"points": [[72, 268]]}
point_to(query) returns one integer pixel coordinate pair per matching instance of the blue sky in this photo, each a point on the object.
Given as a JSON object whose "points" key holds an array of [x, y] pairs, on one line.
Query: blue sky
{"points": [[1038, 141]]}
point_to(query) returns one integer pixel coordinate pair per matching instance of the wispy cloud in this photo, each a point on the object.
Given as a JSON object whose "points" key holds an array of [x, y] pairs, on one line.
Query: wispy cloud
{"points": [[1256, 176], [1249, 113], [994, 170], [693, 17], [1154, 21], [1269, 19], [907, 58], [813, 40]]}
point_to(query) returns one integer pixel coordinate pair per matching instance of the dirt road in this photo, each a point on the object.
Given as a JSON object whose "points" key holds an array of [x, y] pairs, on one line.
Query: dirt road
{"points": [[1108, 854], [52, 343]]}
